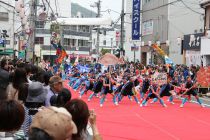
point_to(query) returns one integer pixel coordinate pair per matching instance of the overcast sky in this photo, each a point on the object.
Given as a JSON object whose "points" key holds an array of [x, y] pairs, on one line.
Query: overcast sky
{"points": [[106, 4]]}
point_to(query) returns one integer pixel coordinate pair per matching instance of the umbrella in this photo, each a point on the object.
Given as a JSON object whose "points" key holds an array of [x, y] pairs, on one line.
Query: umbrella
{"points": [[108, 59]]}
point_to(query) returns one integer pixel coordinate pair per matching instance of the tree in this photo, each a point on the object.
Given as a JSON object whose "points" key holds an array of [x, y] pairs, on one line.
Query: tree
{"points": [[104, 51]]}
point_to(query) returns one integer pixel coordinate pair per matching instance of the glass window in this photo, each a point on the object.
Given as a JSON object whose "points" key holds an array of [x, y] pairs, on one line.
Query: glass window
{"points": [[39, 40], [4, 16], [40, 24], [104, 42], [66, 42]]}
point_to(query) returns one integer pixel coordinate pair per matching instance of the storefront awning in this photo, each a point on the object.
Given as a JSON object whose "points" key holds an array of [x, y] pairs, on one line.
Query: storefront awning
{"points": [[7, 52]]}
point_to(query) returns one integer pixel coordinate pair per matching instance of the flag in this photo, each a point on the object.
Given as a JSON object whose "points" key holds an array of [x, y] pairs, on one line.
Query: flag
{"points": [[61, 53]]}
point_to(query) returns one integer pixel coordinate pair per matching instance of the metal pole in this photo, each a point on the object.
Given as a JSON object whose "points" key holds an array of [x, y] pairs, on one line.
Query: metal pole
{"points": [[61, 35], [33, 18], [98, 29], [122, 28]]}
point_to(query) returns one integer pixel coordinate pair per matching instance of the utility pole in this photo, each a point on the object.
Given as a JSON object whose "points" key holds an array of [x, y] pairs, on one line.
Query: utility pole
{"points": [[98, 29], [33, 18], [122, 28]]}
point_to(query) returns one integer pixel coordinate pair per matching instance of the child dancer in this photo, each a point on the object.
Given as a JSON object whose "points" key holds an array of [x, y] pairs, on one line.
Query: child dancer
{"points": [[191, 90], [97, 87], [153, 93]]}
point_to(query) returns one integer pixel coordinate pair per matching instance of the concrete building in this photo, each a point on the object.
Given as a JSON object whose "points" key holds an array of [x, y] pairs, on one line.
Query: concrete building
{"points": [[205, 40], [128, 42], [7, 23], [109, 39], [166, 22], [76, 39]]}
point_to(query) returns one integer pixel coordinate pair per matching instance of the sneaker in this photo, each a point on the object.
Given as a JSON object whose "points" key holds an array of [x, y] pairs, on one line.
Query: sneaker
{"points": [[101, 105], [165, 105], [116, 103], [88, 100], [152, 102], [181, 105], [202, 105], [80, 96], [172, 103], [141, 105]]}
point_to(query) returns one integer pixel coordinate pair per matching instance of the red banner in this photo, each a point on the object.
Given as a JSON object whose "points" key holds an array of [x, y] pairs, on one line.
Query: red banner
{"points": [[203, 77]]}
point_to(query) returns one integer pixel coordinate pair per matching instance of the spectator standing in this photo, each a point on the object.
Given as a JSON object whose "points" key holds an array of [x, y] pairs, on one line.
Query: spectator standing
{"points": [[81, 116], [52, 124], [4, 78], [56, 86]]}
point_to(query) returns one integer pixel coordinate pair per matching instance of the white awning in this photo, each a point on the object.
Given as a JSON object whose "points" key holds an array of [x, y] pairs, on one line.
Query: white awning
{"points": [[84, 21]]}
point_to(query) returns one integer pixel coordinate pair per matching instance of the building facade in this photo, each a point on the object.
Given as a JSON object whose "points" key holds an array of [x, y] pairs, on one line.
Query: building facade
{"points": [[109, 39], [76, 39], [7, 27], [205, 40], [166, 22], [154, 29], [128, 42]]}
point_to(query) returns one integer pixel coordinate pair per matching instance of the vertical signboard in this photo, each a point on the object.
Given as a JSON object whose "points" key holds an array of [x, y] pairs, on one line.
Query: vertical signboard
{"points": [[136, 20]]}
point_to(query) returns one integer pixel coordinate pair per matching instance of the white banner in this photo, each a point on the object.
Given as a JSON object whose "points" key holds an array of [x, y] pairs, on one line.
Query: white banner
{"points": [[147, 27]]}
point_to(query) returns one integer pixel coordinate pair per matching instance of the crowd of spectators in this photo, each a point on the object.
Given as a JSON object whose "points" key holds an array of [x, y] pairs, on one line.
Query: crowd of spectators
{"points": [[35, 105]]}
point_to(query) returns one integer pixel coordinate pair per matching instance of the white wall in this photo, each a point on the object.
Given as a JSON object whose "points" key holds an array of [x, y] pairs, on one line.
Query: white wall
{"points": [[182, 21], [129, 55], [8, 25], [107, 37]]}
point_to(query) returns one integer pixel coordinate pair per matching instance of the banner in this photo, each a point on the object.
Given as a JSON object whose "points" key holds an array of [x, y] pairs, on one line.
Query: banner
{"points": [[203, 77], [159, 78], [136, 20], [147, 28]]}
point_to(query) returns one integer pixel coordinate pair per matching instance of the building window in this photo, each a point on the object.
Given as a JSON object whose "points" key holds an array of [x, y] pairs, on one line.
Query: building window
{"points": [[66, 42], [39, 40], [146, 1], [4, 16], [104, 33], [94, 41], [82, 43], [7, 42], [40, 24], [104, 42]]}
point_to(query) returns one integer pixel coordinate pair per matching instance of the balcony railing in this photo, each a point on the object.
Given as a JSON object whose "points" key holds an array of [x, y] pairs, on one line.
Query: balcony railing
{"points": [[66, 32]]}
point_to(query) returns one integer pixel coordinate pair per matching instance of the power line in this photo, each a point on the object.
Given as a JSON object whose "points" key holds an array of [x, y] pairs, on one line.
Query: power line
{"points": [[56, 6], [161, 6], [191, 8]]}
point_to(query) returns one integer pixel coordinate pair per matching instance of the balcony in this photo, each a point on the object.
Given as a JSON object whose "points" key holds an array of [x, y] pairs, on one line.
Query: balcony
{"points": [[66, 32]]}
